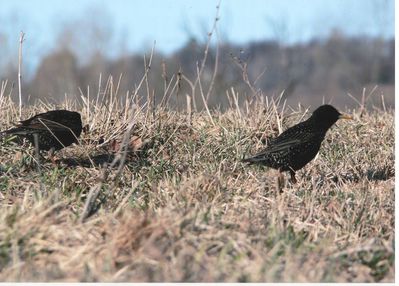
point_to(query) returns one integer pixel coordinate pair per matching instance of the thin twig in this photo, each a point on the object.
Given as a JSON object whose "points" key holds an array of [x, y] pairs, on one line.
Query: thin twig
{"points": [[204, 100], [215, 70], [21, 40]]}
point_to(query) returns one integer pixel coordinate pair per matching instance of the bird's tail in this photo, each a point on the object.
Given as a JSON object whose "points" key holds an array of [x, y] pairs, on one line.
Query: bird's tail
{"points": [[13, 135], [3, 133], [249, 160], [13, 131], [260, 157]]}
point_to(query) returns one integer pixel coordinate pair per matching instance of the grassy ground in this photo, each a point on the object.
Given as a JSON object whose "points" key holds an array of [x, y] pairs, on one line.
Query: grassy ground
{"points": [[179, 205]]}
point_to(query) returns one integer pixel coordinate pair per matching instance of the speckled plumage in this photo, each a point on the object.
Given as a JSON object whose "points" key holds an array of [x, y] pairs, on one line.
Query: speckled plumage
{"points": [[56, 129], [298, 145]]}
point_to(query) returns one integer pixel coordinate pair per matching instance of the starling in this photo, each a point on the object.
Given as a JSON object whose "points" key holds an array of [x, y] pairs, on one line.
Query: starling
{"points": [[55, 129], [298, 145]]}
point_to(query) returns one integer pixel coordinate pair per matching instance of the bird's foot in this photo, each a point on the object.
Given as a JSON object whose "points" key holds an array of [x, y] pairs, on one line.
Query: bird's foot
{"points": [[52, 156], [53, 160], [280, 181], [293, 179]]}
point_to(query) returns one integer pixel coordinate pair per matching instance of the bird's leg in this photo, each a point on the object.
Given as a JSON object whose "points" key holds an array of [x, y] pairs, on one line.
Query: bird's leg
{"points": [[280, 180], [37, 150], [293, 179]]}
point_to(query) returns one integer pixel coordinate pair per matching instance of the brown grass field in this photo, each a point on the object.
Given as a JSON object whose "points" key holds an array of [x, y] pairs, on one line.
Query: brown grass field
{"points": [[165, 197]]}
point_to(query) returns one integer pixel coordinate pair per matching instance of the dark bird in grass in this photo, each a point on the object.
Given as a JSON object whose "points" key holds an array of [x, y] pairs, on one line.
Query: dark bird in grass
{"points": [[55, 129], [298, 145]]}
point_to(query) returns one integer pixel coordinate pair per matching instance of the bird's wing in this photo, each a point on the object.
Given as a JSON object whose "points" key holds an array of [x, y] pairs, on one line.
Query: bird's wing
{"points": [[42, 124], [283, 144], [35, 125]]}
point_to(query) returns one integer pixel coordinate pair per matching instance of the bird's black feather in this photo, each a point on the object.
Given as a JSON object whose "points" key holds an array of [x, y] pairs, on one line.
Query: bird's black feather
{"points": [[298, 145], [56, 129]]}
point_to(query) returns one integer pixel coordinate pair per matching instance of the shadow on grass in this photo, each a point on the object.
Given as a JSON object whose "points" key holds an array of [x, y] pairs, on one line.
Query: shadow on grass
{"points": [[89, 162], [133, 160], [380, 174], [373, 174]]}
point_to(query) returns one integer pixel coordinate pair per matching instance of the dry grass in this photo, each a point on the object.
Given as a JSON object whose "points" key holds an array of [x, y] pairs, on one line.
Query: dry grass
{"points": [[179, 205]]}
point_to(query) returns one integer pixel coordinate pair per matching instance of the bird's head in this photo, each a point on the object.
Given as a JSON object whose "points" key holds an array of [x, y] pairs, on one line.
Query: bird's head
{"points": [[326, 115]]}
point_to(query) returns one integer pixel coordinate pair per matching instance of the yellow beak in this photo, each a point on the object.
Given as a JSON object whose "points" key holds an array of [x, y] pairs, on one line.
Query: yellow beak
{"points": [[345, 116]]}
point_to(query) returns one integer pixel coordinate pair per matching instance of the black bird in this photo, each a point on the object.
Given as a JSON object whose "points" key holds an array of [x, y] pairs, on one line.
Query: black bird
{"points": [[298, 145], [55, 129]]}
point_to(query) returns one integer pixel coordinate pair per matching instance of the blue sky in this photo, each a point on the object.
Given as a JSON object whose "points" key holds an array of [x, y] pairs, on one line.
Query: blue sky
{"points": [[134, 25]]}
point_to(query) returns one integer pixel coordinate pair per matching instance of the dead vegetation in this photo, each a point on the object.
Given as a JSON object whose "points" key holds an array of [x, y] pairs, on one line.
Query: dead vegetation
{"points": [[173, 202]]}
